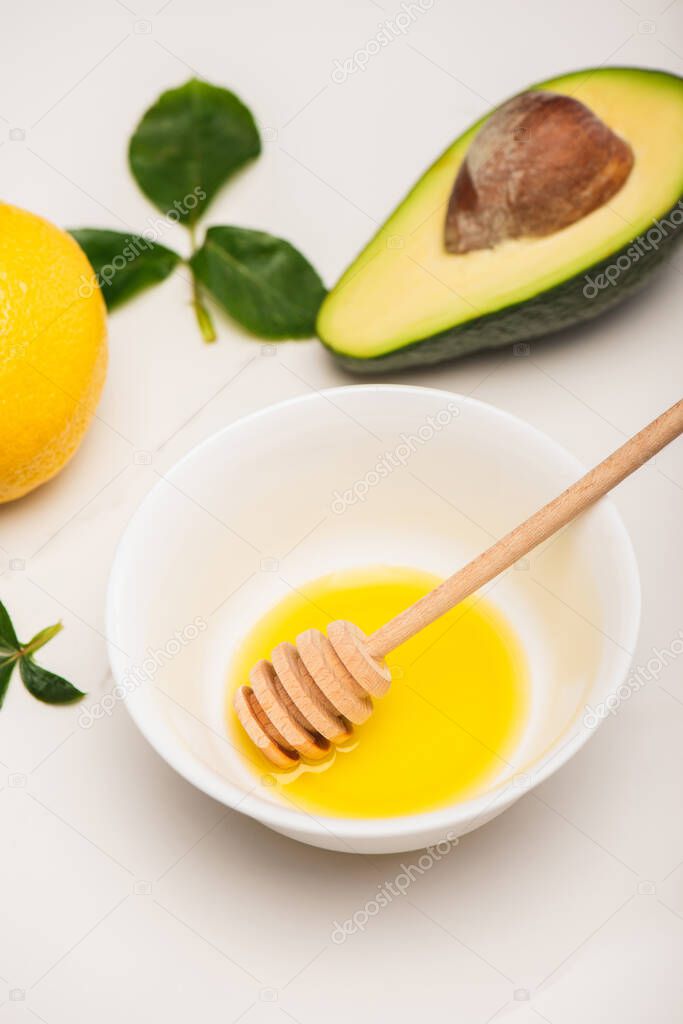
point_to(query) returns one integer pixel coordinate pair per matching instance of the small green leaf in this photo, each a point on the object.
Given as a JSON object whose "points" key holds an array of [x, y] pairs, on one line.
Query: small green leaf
{"points": [[42, 638], [8, 638], [124, 264], [45, 685], [262, 281], [6, 669], [187, 146]]}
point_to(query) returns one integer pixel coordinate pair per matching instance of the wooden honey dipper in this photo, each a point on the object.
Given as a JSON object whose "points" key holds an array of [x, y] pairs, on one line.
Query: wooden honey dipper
{"points": [[310, 695]]}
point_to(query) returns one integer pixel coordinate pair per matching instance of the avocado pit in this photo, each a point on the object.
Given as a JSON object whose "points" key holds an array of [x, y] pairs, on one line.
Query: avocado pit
{"points": [[541, 162]]}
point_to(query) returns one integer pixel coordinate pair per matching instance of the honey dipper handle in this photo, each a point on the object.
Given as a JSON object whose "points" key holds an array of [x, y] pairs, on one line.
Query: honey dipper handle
{"points": [[525, 537]]}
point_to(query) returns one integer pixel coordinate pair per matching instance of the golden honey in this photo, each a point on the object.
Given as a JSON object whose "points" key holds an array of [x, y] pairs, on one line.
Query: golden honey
{"points": [[448, 727]]}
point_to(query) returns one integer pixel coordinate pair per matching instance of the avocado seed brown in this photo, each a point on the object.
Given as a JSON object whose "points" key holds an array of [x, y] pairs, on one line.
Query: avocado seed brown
{"points": [[541, 162]]}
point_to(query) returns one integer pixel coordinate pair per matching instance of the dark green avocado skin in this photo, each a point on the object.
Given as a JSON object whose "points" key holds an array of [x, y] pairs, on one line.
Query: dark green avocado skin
{"points": [[549, 311]]}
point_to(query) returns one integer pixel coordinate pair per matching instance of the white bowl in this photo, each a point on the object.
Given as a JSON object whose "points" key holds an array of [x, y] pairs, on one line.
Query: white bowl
{"points": [[292, 493]]}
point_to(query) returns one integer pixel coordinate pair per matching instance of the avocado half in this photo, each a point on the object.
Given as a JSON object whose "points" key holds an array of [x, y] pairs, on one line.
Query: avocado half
{"points": [[407, 301]]}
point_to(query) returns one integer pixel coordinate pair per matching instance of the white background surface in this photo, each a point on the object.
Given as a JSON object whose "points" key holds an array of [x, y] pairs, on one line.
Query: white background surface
{"points": [[124, 892]]}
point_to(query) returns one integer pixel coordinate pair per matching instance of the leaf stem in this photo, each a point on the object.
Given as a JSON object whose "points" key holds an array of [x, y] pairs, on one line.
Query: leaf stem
{"points": [[204, 320]]}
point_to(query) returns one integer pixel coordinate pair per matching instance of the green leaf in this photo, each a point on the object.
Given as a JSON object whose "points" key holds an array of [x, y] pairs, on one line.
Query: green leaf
{"points": [[8, 638], [262, 281], [187, 146], [124, 264], [42, 638], [6, 669], [45, 685]]}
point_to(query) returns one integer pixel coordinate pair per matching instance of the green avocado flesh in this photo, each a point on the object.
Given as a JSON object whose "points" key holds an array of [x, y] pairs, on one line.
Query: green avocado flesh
{"points": [[406, 301]]}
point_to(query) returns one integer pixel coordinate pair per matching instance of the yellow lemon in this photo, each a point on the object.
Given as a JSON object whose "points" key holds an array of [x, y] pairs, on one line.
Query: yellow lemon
{"points": [[53, 349]]}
